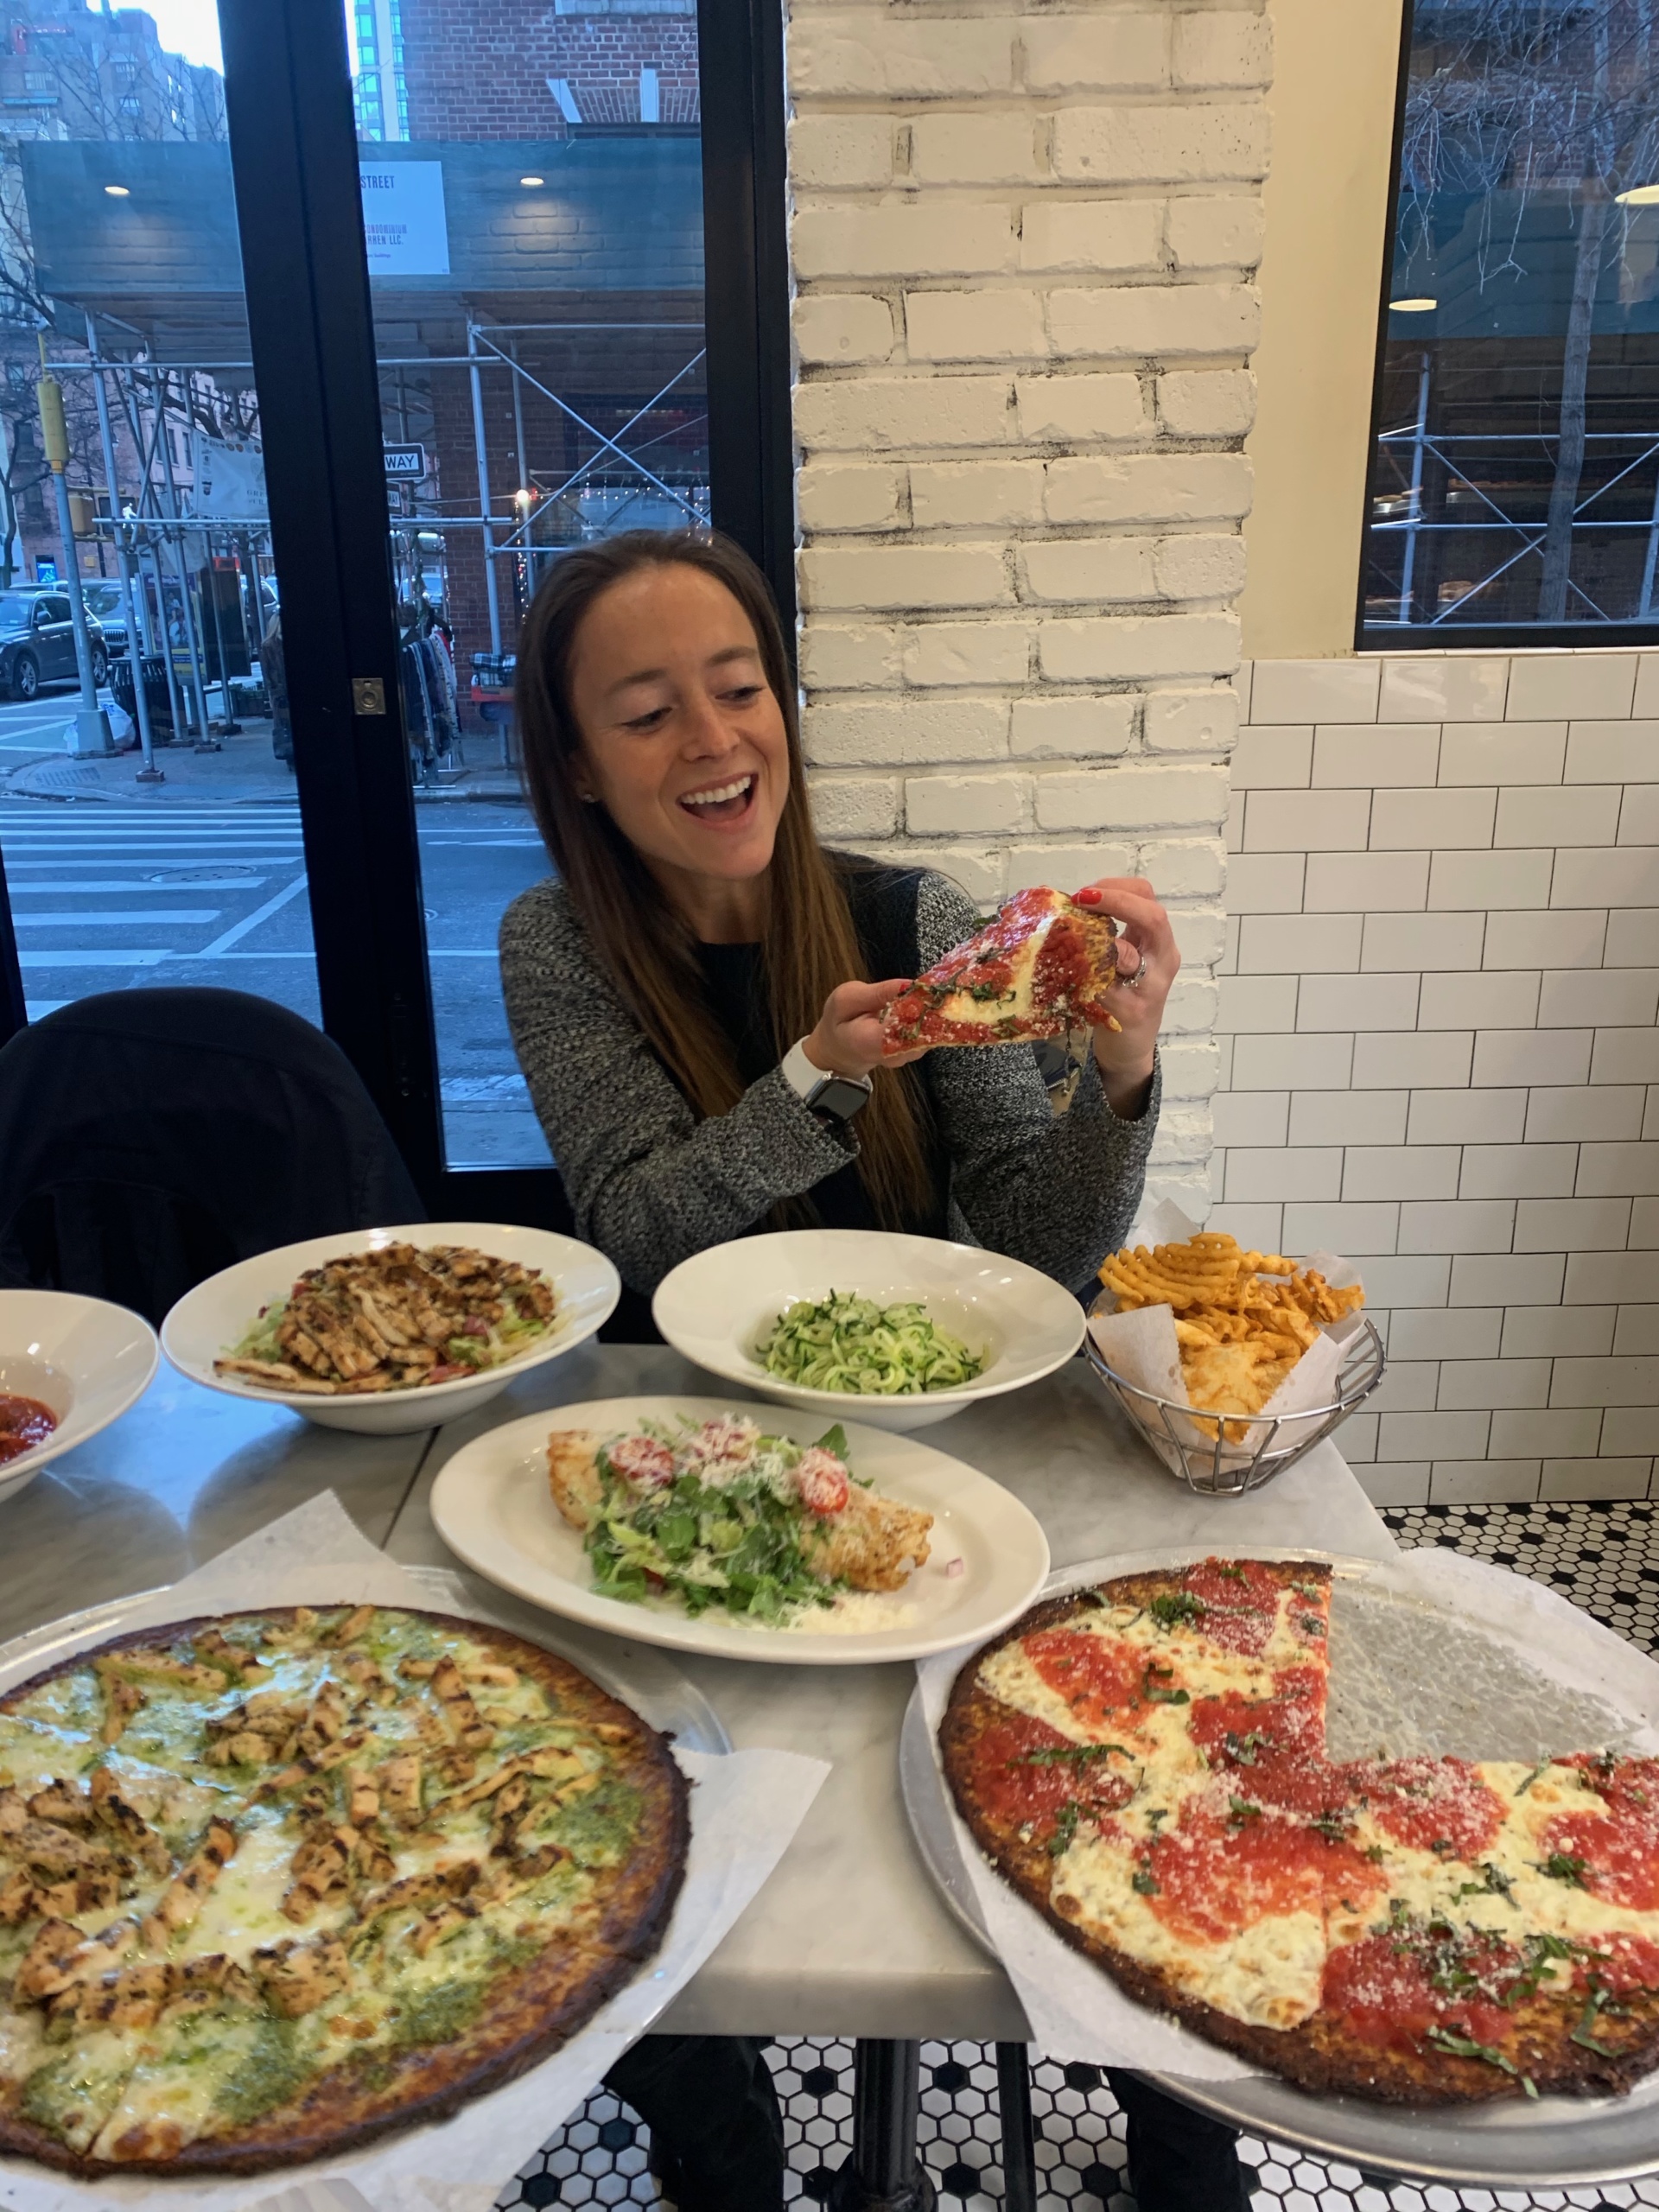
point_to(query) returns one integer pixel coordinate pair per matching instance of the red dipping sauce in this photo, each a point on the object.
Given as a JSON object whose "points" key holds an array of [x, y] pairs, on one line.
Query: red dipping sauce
{"points": [[24, 1422]]}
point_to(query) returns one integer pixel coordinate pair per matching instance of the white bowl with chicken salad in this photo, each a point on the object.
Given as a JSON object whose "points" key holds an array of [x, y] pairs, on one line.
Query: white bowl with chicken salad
{"points": [[385, 1330]]}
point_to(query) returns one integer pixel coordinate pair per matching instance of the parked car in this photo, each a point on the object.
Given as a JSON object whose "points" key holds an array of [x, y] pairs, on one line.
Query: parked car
{"points": [[37, 642], [105, 602]]}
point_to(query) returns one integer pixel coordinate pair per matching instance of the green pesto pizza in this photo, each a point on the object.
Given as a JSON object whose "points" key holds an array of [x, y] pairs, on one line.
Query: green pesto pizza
{"points": [[274, 1883]]}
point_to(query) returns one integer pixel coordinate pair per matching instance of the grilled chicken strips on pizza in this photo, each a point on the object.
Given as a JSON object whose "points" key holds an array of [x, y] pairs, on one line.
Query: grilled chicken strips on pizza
{"points": [[272, 1883]]}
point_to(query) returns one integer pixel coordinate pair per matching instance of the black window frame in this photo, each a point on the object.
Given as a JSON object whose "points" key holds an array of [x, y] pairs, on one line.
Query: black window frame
{"points": [[1465, 637], [294, 155]]}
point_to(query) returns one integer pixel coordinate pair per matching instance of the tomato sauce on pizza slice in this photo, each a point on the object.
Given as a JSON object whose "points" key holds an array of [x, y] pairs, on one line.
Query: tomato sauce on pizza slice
{"points": [[1043, 966]]}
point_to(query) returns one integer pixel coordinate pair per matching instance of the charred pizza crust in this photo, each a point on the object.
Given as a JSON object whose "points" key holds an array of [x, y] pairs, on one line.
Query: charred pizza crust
{"points": [[1545, 2042], [528, 2012]]}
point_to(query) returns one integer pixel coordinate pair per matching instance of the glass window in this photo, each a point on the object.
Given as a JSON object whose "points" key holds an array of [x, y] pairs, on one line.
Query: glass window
{"points": [[120, 247], [1515, 481], [533, 205]]}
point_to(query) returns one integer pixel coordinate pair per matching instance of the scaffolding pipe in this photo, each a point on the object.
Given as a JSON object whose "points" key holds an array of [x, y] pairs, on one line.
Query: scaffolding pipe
{"points": [[206, 741], [484, 493], [149, 773], [1414, 511]]}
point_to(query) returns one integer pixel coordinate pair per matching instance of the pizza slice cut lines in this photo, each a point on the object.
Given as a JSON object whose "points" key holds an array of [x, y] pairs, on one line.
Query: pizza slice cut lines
{"points": [[1145, 1763], [336, 1871]]}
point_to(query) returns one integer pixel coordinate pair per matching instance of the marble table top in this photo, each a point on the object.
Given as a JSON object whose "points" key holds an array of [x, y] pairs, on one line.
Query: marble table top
{"points": [[849, 1936]]}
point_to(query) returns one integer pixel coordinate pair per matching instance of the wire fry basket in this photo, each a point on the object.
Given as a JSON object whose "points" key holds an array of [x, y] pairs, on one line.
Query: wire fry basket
{"points": [[1247, 1449]]}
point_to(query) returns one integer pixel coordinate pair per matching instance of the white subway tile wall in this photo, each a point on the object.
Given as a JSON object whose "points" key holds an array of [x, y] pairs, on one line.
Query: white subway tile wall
{"points": [[1023, 246], [1437, 1030]]}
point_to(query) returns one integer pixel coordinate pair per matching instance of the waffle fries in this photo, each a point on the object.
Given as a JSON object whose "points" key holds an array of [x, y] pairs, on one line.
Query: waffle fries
{"points": [[1243, 1319]]}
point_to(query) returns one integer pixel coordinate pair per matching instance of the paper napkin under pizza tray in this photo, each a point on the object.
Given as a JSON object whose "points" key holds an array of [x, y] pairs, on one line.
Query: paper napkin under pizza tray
{"points": [[1141, 1347], [744, 1808], [1509, 1664]]}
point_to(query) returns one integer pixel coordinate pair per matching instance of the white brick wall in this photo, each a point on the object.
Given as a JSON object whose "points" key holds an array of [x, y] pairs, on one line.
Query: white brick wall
{"points": [[1439, 1053], [1023, 242]]}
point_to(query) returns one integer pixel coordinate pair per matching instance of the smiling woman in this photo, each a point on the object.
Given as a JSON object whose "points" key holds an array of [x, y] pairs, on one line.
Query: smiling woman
{"points": [[697, 1000]]}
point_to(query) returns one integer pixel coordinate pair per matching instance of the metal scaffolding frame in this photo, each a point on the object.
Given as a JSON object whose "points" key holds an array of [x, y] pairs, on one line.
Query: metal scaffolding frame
{"points": [[1416, 439], [148, 540]]}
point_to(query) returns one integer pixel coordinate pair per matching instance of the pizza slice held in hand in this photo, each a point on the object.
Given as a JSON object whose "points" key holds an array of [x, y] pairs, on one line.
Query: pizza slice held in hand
{"points": [[1043, 966]]}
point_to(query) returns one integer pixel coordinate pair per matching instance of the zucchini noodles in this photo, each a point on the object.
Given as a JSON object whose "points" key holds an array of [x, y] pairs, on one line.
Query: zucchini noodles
{"points": [[845, 1343]]}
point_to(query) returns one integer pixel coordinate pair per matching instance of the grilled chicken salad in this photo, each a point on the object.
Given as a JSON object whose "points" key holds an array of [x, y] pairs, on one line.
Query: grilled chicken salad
{"points": [[400, 1317]]}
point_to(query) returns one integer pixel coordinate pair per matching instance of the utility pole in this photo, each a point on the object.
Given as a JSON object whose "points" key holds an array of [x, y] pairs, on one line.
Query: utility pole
{"points": [[149, 773], [90, 731]]}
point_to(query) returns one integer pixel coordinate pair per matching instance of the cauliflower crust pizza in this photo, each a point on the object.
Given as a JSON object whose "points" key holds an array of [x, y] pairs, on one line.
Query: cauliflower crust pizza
{"points": [[1145, 1762], [274, 1883]]}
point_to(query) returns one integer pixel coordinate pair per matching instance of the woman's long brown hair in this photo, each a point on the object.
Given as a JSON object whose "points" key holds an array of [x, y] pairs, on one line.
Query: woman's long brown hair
{"points": [[810, 944]]}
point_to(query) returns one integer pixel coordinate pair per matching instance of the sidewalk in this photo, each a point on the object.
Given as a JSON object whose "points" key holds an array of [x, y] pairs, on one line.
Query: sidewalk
{"points": [[244, 772]]}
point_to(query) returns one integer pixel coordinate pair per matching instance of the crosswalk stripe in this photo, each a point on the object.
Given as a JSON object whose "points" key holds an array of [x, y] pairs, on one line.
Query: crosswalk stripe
{"points": [[155, 890], [171, 917]]}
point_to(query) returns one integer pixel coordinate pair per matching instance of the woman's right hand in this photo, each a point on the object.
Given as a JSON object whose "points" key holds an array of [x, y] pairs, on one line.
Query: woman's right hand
{"points": [[847, 1039]]}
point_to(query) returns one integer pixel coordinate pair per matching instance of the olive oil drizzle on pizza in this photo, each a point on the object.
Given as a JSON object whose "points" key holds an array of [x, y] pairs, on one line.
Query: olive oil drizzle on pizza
{"points": [[1150, 1767], [238, 1857]]}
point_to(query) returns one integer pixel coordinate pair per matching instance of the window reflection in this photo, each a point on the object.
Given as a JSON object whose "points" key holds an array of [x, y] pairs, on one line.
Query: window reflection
{"points": [[532, 201], [1516, 482]]}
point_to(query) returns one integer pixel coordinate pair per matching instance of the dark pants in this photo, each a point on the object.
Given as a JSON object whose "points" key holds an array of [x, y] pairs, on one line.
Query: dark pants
{"points": [[717, 2135]]}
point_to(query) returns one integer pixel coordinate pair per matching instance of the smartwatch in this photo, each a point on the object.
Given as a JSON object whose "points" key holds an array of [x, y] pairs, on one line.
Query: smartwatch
{"points": [[835, 1098], [839, 1096]]}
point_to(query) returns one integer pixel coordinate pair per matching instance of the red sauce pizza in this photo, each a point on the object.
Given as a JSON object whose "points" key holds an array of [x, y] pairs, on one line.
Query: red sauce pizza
{"points": [[1043, 966], [1145, 1764]]}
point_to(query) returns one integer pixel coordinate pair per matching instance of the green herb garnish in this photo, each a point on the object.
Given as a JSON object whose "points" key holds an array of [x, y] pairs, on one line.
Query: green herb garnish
{"points": [[1170, 1607], [1466, 2047], [1565, 1866]]}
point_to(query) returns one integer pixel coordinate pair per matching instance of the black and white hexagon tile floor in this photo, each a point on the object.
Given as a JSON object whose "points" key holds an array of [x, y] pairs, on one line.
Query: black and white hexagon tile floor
{"points": [[1603, 1557]]}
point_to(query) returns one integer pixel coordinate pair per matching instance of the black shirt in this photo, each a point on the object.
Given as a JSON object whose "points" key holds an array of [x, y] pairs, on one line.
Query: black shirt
{"points": [[734, 984], [883, 902]]}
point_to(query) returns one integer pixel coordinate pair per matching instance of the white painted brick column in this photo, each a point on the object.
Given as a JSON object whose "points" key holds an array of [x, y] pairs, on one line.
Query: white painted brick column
{"points": [[1022, 246]]}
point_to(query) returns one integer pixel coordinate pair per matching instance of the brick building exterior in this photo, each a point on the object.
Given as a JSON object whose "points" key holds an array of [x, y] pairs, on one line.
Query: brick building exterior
{"points": [[487, 69]]}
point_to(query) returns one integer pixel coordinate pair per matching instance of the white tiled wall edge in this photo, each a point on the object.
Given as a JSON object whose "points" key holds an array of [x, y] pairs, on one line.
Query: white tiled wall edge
{"points": [[1439, 1050]]}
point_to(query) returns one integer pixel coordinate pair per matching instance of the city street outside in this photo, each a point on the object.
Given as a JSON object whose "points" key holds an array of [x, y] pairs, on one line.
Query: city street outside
{"points": [[201, 879]]}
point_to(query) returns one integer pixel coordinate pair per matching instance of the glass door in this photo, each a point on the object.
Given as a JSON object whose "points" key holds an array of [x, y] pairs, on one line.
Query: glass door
{"points": [[148, 811], [532, 206]]}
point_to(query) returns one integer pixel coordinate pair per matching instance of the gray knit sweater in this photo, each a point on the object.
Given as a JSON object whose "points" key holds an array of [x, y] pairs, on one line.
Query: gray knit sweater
{"points": [[651, 1183]]}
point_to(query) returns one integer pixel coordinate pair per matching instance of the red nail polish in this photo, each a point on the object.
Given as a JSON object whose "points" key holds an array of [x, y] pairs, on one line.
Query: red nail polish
{"points": [[1089, 896]]}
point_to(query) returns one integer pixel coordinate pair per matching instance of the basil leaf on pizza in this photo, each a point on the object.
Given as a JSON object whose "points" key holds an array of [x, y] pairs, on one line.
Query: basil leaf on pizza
{"points": [[1145, 1764], [275, 1883]]}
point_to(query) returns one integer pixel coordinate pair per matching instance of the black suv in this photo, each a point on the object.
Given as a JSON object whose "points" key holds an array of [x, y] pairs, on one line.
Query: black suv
{"points": [[37, 641]]}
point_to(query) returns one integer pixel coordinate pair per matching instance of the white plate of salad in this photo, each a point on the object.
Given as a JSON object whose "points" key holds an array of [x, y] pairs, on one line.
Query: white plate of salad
{"points": [[747, 1531], [900, 1331], [385, 1330]]}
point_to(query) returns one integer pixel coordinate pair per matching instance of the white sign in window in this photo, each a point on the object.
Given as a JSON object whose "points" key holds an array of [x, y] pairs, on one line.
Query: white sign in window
{"points": [[403, 218]]}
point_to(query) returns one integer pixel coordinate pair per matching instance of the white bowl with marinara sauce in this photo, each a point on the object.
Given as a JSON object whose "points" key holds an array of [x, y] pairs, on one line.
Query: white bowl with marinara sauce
{"points": [[68, 1367]]}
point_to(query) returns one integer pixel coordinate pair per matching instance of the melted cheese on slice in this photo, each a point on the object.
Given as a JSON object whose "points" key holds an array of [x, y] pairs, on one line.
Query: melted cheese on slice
{"points": [[1268, 1974]]}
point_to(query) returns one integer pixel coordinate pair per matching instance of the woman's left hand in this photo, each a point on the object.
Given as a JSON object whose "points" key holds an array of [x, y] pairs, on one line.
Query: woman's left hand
{"points": [[1148, 964]]}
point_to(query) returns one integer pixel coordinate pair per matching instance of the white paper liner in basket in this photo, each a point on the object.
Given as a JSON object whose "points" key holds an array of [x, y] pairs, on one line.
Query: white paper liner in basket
{"points": [[745, 1807], [1141, 1347], [1077, 2013]]}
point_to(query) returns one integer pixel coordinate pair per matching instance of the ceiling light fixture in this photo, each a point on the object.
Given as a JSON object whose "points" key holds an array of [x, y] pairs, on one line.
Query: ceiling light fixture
{"points": [[1411, 307], [118, 192], [533, 180], [1639, 195]]}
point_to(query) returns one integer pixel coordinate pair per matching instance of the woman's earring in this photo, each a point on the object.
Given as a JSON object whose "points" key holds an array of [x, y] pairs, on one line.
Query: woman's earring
{"points": [[587, 798]]}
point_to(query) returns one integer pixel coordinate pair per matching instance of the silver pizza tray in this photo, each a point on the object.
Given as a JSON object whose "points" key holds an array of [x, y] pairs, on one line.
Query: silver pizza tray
{"points": [[646, 1679], [1445, 1676]]}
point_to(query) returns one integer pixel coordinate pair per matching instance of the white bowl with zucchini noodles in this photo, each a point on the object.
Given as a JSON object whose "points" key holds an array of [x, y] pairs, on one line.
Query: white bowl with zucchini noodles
{"points": [[898, 1331]]}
